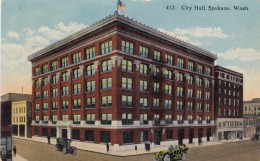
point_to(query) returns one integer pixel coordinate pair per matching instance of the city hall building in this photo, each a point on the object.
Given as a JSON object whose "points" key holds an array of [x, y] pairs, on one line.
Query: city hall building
{"points": [[228, 104], [123, 82]]}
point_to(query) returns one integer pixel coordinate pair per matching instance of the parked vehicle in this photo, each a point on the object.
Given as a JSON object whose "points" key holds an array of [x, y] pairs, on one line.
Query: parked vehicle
{"points": [[63, 145], [255, 137], [178, 152]]}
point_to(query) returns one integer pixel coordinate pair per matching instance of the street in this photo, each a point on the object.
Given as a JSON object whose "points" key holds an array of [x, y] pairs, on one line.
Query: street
{"points": [[232, 151]]}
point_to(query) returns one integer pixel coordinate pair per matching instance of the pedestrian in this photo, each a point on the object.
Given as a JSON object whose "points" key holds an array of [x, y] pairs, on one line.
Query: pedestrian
{"points": [[49, 139], [14, 150], [107, 147]]}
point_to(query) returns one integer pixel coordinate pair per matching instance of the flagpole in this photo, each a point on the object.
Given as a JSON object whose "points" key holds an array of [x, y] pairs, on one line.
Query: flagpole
{"points": [[117, 6]]}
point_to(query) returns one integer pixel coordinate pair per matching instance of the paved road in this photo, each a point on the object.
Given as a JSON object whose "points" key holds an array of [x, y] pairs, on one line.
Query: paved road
{"points": [[237, 151]]}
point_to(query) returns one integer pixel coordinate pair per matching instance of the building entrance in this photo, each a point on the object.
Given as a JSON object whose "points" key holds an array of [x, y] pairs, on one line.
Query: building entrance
{"points": [[64, 133], [180, 136], [191, 135], [157, 137]]}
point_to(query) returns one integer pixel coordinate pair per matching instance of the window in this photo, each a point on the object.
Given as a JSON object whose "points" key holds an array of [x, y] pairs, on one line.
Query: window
{"points": [[75, 134], [155, 103], [168, 89], [76, 119], [168, 119], [128, 137], [179, 105], [91, 86], [54, 105], [54, 119], [208, 119], [90, 119], [156, 87], [76, 104], [54, 65], [76, 57], [37, 107], [55, 79], [179, 77], [207, 96], [106, 101], [65, 105], [127, 101], [76, 73], [106, 47], [65, 76], [143, 85], [45, 68], [180, 119], [179, 91], [65, 91], [127, 47], [106, 83], [169, 135], [64, 62], [207, 107], [127, 65], [200, 69], [45, 81], [199, 94], [208, 71], [156, 71], [168, 59], [104, 136], [45, 94], [127, 83], [167, 74], [106, 66], [207, 83], [90, 53], [65, 118], [91, 102], [37, 95], [144, 136], [106, 119], [180, 63], [37, 71], [190, 106], [199, 107], [190, 79], [55, 92], [76, 88], [91, 70], [127, 119], [89, 135], [191, 66], [38, 83], [190, 119], [199, 118], [143, 119], [37, 119], [199, 82], [143, 103], [143, 69], [45, 119], [190, 93], [168, 104], [143, 51], [156, 55]]}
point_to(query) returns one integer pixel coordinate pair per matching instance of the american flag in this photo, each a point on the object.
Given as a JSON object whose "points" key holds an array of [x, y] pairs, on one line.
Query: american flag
{"points": [[121, 6]]}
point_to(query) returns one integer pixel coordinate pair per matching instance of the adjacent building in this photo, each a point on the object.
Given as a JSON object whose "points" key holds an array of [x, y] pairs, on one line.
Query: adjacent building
{"points": [[251, 117], [22, 118], [123, 82], [228, 103]]}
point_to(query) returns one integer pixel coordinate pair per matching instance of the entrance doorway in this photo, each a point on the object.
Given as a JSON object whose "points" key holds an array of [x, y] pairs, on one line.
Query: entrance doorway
{"points": [[200, 134], [64, 133], [208, 134], [157, 137], [191, 135], [180, 136]]}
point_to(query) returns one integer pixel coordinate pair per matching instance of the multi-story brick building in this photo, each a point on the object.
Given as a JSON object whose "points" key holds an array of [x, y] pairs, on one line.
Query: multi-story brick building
{"points": [[123, 82], [251, 117], [228, 103]]}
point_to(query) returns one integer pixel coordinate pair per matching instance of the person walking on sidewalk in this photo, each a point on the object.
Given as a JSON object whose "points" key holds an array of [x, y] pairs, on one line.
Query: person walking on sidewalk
{"points": [[49, 139], [14, 150], [107, 147]]}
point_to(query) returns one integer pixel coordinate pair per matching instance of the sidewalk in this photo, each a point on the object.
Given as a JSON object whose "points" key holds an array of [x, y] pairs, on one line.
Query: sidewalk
{"points": [[18, 158]]}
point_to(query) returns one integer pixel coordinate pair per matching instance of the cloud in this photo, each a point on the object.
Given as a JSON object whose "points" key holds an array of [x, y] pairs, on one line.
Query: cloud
{"points": [[241, 54], [12, 34], [142, 0]]}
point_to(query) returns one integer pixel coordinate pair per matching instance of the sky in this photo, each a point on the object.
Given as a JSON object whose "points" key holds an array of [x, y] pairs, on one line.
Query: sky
{"points": [[30, 25]]}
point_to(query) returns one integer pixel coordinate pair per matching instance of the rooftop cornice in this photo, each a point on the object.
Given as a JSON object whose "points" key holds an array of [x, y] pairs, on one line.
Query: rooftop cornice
{"points": [[223, 69], [125, 20]]}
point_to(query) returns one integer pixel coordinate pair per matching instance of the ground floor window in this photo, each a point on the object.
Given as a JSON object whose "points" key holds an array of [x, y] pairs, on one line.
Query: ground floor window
{"points": [[144, 136], [76, 134], [21, 130], [128, 137], [104, 136], [89, 135], [44, 132], [15, 130], [169, 134], [36, 131], [53, 132]]}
